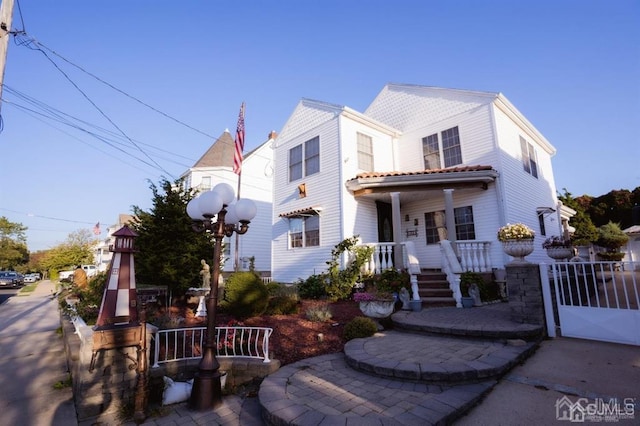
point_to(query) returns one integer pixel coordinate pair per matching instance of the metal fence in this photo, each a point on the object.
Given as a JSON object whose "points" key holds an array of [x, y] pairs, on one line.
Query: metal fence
{"points": [[187, 343]]}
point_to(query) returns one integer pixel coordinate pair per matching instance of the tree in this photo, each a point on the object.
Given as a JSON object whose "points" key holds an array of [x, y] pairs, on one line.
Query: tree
{"points": [[169, 250], [76, 250], [13, 244], [586, 232]]}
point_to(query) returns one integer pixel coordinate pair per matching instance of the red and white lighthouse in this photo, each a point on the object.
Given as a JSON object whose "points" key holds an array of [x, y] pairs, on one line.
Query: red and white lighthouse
{"points": [[119, 303]]}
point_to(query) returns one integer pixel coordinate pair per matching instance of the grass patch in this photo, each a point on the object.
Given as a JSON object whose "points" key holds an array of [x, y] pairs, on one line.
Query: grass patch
{"points": [[62, 384], [27, 289]]}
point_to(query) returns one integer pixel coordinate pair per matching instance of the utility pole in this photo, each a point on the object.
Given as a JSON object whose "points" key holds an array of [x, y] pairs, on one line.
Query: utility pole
{"points": [[6, 14]]}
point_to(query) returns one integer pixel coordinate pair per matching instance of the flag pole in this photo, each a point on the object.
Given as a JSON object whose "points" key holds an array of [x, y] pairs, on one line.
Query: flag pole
{"points": [[237, 168]]}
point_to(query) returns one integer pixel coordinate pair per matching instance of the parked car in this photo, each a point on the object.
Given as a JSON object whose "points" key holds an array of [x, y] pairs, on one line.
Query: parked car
{"points": [[30, 278], [10, 279]]}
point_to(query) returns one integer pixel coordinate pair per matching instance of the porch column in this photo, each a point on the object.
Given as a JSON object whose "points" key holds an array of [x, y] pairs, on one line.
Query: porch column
{"points": [[450, 218], [397, 232]]}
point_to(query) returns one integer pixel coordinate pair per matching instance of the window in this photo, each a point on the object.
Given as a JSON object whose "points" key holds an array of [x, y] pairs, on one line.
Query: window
{"points": [[304, 231], [465, 230], [442, 153], [310, 153], [529, 158], [435, 226], [205, 184], [365, 152]]}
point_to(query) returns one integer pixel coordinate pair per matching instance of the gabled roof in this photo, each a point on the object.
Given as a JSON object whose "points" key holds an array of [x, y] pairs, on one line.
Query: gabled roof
{"points": [[220, 154]]}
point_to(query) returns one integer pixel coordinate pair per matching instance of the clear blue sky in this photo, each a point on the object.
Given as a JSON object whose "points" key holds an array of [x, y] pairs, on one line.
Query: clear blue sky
{"points": [[571, 67]]}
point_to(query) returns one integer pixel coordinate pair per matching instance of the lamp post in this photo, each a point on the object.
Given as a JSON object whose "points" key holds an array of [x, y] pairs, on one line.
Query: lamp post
{"points": [[229, 218]]}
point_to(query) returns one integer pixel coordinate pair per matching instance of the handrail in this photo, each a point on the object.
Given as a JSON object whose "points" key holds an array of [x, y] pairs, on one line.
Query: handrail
{"points": [[452, 268], [179, 344]]}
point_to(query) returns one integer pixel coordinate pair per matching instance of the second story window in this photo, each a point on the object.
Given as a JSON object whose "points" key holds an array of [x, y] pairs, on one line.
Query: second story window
{"points": [[205, 185], [529, 158], [441, 151], [304, 159], [365, 152]]}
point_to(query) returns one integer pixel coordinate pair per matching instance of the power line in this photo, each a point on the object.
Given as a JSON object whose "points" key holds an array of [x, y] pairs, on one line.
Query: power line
{"points": [[47, 217]]}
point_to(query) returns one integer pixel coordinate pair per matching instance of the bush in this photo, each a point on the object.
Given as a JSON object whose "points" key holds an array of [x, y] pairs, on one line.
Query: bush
{"points": [[312, 288], [319, 313], [245, 295], [282, 305], [359, 327], [467, 279], [90, 298]]}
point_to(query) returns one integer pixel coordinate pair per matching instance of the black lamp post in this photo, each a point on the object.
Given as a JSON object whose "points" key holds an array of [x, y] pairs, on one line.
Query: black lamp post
{"points": [[206, 392]]}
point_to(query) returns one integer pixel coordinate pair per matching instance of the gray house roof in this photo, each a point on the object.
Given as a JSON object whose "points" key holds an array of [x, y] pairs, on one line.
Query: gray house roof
{"points": [[220, 154]]}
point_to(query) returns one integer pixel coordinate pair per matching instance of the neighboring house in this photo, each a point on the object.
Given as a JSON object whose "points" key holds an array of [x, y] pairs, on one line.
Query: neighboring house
{"points": [[421, 164], [101, 254], [216, 166], [632, 248]]}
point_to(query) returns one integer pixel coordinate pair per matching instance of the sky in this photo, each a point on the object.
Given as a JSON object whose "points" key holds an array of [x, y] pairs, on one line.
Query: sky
{"points": [[102, 99]]}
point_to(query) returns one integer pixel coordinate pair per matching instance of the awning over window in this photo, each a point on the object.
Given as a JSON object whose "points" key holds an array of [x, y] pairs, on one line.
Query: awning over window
{"points": [[308, 211]]}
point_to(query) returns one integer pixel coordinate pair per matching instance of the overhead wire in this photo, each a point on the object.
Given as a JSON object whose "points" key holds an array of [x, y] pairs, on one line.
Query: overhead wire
{"points": [[110, 138]]}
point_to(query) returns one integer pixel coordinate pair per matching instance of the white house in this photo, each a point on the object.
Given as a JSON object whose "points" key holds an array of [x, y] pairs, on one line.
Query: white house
{"points": [[216, 166], [421, 164]]}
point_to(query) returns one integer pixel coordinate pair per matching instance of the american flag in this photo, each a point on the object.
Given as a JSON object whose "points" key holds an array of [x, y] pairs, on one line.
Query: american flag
{"points": [[237, 156], [96, 229]]}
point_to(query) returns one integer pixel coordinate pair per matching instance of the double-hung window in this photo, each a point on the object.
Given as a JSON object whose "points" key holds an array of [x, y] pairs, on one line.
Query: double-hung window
{"points": [[529, 158], [304, 159], [365, 152], [435, 225], [304, 231], [442, 150]]}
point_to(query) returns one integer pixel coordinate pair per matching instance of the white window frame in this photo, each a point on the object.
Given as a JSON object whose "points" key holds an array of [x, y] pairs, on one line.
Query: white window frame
{"points": [[304, 231], [365, 152], [443, 149], [304, 159], [529, 158]]}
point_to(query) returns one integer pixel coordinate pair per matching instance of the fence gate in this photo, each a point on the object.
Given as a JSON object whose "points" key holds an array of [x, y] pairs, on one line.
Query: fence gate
{"points": [[593, 300]]}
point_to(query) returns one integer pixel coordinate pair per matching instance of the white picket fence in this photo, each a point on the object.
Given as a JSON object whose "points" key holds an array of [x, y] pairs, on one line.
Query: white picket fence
{"points": [[186, 343]]}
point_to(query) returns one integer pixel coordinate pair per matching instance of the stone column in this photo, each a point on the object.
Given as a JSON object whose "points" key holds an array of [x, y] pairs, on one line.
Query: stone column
{"points": [[525, 294]]}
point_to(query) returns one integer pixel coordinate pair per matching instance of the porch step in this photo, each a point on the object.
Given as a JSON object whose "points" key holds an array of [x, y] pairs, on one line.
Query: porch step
{"points": [[433, 289]]}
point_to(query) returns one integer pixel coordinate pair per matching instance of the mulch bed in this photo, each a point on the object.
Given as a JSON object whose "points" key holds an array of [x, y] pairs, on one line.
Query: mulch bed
{"points": [[294, 337]]}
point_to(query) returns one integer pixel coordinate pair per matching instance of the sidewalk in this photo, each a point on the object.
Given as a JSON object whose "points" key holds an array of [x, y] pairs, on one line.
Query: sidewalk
{"points": [[562, 366], [32, 361]]}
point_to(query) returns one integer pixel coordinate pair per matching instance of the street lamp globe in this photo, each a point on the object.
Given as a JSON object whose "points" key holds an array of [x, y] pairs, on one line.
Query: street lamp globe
{"points": [[210, 203], [193, 210], [246, 210], [225, 192]]}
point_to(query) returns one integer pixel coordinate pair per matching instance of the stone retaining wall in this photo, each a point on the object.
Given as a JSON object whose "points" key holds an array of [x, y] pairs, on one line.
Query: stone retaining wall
{"points": [[112, 384]]}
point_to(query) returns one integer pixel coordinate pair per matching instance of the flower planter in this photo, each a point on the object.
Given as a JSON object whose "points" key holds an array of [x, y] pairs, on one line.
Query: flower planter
{"points": [[467, 302], [377, 308], [518, 249], [559, 253]]}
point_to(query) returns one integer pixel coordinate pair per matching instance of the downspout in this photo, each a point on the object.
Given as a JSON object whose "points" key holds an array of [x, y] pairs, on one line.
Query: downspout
{"points": [[500, 201], [342, 187]]}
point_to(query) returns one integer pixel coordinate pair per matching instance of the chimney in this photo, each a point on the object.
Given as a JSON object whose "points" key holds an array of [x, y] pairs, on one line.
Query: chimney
{"points": [[273, 134]]}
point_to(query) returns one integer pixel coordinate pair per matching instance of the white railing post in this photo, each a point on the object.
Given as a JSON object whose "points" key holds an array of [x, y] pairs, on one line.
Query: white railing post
{"points": [[547, 300]]}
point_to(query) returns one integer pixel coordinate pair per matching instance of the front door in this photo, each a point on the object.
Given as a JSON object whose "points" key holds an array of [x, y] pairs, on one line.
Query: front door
{"points": [[385, 224]]}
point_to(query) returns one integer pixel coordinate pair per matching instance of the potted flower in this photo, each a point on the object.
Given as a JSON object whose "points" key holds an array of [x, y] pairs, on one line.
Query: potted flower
{"points": [[517, 241], [377, 300], [557, 247]]}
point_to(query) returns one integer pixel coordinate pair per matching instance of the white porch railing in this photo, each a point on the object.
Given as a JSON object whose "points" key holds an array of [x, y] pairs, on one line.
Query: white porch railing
{"points": [[383, 258], [474, 255], [186, 343], [452, 268]]}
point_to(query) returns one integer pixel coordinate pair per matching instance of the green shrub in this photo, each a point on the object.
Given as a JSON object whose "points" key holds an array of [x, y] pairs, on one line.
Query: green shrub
{"points": [[467, 279], [282, 305], [312, 288], [359, 327], [340, 282], [319, 313], [245, 295]]}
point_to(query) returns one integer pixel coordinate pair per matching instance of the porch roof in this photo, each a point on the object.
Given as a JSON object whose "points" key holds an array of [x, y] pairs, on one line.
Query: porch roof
{"points": [[454, 177], [307, 211]]}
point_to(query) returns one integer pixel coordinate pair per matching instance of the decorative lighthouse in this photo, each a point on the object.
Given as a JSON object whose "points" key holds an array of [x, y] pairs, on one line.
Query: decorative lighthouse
{"points": [[118, 325], [119, 302]]}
